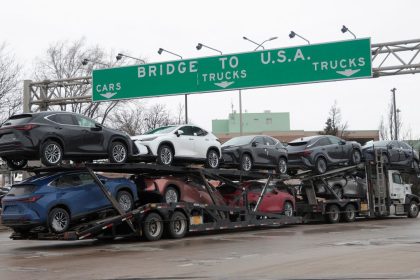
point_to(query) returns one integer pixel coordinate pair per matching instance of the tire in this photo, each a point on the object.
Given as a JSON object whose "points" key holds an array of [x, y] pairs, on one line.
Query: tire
{"points": [[246, 162], [177, 226], [165, 155], [282, 166], [16, 164], [333, 215], [288, 209], [171, 195], [125, 200], [212, 160], [51, 153], [321, 165], [356, 157], [152, 227], [349, 214], [59, 220], [338, 189], [118, 152], [413, 209]]}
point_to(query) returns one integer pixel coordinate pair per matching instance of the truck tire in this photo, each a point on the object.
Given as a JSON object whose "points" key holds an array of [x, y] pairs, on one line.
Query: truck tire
{"points": [[349, 214], [333, 214], [177, 226], [413, 209], [152, 227]]}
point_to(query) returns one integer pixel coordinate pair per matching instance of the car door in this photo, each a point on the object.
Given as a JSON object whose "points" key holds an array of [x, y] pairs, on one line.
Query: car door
{"points": [[79, 193], [92, 135], [394, 152], [184, 142], [64, 125], [201, 142], [260, 154], [338, 150], [272, 149], [406, 154]]}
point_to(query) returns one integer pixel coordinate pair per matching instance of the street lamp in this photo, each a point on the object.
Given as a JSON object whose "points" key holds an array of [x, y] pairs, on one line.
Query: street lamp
{"points": [[86, 61], [395, 113], [121, 55], [344, 29], [160, 51], [293, 34], [259, 45], [200, 46]]}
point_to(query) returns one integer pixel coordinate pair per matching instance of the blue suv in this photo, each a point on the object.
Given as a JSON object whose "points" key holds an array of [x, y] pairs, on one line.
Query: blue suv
{"points": [[51, 202]]}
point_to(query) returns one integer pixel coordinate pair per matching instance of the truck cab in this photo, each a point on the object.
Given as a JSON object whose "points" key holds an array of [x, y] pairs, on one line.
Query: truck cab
{"points": [[399, 191]]}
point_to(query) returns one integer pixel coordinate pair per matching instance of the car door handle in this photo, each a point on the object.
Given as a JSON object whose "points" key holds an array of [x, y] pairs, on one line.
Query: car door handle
{"points": [[191, 138], [58, 127]]}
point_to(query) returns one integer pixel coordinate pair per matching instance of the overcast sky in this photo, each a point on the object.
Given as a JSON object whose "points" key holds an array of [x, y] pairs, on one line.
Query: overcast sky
{"points": [[141, 27]]}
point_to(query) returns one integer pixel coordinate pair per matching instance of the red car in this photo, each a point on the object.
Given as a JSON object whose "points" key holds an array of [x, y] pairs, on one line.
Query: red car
{"points": [[276, 198], [171, 189]]}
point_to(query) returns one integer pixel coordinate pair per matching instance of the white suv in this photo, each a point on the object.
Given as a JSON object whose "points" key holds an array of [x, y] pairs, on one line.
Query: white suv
{"points": [[182, 142]]}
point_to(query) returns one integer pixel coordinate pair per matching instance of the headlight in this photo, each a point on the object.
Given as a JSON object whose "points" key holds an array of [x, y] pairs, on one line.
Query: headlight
{"points": [[149, 139]]}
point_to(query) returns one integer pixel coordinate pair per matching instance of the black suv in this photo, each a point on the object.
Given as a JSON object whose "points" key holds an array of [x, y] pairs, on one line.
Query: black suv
{"points": [[321, 152], [54, 136]]}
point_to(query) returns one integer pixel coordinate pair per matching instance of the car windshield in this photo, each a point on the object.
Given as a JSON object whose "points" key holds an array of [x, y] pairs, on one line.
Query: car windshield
{"points": [[238, 141], [161, 130], [17, 120], [376, 143]]}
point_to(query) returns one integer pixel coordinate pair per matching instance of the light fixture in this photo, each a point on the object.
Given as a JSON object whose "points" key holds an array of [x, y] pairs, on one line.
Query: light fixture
{"points": [[160, 51], [293, 34], [344, 29], [200, 46]]}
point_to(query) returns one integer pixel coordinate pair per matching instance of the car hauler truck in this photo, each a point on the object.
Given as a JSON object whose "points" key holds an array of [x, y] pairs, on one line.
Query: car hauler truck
{"points": [[150, 221], [383, 193]]}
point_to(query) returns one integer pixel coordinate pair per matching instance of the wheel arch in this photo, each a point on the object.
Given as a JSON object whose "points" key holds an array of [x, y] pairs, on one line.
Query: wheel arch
{"points": [[169, 143], [60, 205], [216, 149], [54, 138]]}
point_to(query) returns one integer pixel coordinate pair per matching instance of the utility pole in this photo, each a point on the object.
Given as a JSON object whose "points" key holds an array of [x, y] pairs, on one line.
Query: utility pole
{"points": [[395, 114]]}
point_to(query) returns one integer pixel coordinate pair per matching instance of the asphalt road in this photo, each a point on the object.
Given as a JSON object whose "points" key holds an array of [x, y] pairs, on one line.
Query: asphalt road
{"points": [[368, 249]]}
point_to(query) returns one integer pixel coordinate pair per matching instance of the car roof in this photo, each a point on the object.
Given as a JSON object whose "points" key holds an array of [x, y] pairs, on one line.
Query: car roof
{"points": [[308, 138]]}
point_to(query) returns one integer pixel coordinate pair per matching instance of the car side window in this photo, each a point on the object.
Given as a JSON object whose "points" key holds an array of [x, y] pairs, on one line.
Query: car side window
{"points": [[322, 142], [396, 178], [67, 181], [85, 122], [187, 130], [66, 119], [198, 131], [260, 140], [404, 146], [269, 141], [334, 140]]}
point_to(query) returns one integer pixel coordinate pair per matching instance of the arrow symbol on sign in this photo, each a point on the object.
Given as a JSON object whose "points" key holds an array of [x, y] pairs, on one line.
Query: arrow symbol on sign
{"points": [[348, 72], [108, 94], [224, 84]]}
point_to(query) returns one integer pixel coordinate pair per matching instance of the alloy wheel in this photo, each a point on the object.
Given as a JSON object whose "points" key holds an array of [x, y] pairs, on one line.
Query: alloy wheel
{"points": [[288, 209], [53, 153], [119, 153], [246, 163], [125, 202], [213, 159], [59, 221], [166, 155], [282, 166], [171, 196]]}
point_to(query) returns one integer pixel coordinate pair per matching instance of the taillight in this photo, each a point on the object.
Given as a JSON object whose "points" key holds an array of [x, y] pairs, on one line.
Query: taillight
{"points": [[305, 153], [26, 127], [29, 199]]}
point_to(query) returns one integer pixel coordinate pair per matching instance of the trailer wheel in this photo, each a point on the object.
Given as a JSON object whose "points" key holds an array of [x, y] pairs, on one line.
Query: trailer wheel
{"points": [[152, 227], [177, 226], [333, 214], [413, 210], [349, 213]]}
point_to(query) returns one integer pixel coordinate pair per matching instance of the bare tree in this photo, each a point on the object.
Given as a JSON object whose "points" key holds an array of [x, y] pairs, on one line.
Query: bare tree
{"points": [[333, 125], [130, 120], [157, 116], [63, 60], [10, 70], [180, 114]]}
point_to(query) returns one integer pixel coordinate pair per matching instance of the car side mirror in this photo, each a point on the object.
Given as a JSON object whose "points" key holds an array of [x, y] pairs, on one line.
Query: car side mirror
{"points": [[342, 142], [97, 127], [255, 144], [389, 147], [179, 132]]}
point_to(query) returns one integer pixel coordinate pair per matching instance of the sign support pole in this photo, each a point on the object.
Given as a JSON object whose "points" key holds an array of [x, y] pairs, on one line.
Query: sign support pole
{"points": [[186, 108], [240, 113]]}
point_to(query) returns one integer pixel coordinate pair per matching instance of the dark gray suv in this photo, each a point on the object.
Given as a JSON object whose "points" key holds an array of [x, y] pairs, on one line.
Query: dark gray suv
{"points": [[320, 152]]}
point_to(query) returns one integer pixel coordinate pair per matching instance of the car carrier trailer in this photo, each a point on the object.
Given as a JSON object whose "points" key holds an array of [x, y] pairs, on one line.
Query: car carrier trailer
{"points": [[385, 194], [154, 220]]}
